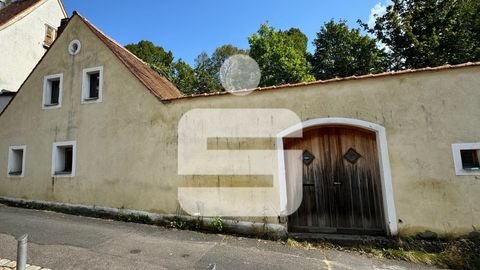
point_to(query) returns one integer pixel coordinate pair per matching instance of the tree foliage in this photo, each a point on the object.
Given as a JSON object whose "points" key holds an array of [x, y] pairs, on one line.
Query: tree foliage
{"points": [[340, 51], [200, 79], [280, 57], [422, 33], [183, 76], [156, 56], [205, 77], [414, 33], [221, 54], [298, 38], [208, 67]]}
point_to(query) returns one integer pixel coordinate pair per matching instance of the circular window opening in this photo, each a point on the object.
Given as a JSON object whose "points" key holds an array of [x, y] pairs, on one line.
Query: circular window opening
{"points": [[74, 47]]}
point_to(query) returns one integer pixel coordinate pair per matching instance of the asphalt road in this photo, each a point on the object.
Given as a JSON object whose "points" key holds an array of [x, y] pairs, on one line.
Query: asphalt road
{"points": [[60, 241]]}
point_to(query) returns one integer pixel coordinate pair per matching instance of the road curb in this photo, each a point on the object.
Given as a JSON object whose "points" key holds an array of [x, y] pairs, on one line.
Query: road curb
{"points": [[266, 230]]}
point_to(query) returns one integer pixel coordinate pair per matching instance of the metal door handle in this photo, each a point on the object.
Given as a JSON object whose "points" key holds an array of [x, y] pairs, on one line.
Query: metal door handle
{"points": [[337, 183]]}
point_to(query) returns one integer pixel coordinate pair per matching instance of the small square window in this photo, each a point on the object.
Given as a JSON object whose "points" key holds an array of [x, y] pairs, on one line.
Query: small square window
{"points": [[466, 158], [50, 35], [92, 85], [52, 91], [63, 161], [16, 160]]}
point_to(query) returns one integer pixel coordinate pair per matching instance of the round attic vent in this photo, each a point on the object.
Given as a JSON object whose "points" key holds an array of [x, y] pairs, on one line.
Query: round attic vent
{"points": [[74, 47]]}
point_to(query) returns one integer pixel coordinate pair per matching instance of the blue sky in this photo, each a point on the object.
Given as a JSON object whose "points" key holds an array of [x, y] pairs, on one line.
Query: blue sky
{"points": [[189, 27]]}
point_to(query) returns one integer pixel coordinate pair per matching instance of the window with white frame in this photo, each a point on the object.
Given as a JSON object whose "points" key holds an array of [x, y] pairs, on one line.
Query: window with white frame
{"points": [[52, 91], [16, 160], [466, 158], [63, 158], [92, 86]]}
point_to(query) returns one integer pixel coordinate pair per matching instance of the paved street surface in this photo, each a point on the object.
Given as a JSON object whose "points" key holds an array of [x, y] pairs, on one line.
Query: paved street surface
{"points": [[60, 241]]}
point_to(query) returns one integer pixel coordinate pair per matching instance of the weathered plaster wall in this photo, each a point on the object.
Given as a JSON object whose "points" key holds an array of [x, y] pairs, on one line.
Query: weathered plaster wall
{"points": [[22, 43], [127, 145], [423, 113]]}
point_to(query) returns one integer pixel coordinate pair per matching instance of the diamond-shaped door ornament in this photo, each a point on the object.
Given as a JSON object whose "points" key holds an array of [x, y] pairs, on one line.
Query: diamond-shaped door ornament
{"points": [[307, 157], [352, 156]]}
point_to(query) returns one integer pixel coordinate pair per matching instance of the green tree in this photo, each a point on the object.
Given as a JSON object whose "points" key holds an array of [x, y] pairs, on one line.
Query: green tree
{"points": [[205, 80], [208, 67], [340, 51], [422, 33], [470, 12], [219, 56], [156, 56], [184, 77], [299, 39], [279, 56]]}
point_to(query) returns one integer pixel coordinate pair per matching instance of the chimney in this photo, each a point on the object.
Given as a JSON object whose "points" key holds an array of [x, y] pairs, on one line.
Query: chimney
{"points": [[63, 24]]}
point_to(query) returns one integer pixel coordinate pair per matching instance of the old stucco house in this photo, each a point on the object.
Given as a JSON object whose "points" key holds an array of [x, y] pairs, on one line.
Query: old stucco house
{"points": [[391, 153], [27, 29]]}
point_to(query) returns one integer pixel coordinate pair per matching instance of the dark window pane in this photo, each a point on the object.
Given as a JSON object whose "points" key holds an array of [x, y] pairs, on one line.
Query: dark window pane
{"points": [[469, 159], [68, 159], [94, 85], [55, 91], [17, 160]]}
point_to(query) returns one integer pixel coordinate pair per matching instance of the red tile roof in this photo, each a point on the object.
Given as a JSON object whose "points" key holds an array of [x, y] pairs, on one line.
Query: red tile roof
{"points": [[15, 9], [336, 79], [154, 82]]}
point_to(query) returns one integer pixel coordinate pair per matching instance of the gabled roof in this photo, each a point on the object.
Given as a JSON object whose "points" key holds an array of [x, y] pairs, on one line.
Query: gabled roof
{"points": [[20, 8], [158, 85]]}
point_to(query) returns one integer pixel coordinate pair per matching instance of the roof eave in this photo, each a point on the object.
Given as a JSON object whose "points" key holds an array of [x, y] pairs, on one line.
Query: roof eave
{"points": [[22, 14]]}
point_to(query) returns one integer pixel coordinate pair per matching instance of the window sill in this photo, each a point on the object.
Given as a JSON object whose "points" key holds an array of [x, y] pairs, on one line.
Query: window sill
{"points": [[91, 100], [63, 174], [51, 106], [468, 172], [15, 174]]}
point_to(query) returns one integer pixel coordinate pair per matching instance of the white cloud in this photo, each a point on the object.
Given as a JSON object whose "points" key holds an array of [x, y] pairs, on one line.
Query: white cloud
{"points": [[378, 10]]}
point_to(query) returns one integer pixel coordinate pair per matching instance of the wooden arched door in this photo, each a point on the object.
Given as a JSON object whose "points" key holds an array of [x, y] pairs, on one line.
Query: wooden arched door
{"points": [[340, 179]]}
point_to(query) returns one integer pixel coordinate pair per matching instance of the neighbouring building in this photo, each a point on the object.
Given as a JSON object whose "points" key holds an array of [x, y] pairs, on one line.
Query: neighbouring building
{"points": [[5, 97], [394, 153], [27, 29]]}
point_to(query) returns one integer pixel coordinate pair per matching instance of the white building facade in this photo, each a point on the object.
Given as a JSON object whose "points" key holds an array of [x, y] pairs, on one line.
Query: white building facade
{"points": [[27, 29]]}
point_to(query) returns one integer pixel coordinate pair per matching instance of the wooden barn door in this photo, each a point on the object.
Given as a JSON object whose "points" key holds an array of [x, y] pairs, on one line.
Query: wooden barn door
{"points": [[341, 182]]}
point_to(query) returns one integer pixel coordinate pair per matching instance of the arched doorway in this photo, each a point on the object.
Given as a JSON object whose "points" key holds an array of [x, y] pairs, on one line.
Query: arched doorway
{"points": [[346, 184]]}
